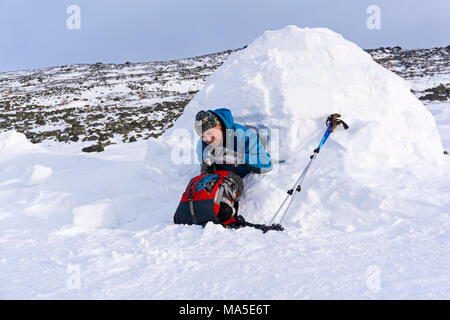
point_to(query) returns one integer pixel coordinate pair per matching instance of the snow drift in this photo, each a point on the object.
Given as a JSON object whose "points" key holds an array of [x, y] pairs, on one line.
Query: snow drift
{"points": [[289, 81], [13, 143]]}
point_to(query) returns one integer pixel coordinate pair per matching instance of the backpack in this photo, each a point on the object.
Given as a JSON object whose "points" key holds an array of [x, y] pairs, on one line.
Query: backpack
{"points": [[210, 197]]}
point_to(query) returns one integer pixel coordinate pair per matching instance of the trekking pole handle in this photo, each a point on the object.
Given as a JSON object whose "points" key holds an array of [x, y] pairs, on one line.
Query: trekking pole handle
{"points": [[334, 121]]}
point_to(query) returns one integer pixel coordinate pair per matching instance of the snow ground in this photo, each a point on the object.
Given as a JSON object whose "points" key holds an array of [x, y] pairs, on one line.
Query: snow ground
{"points": [[385, 239], [150, 258]]}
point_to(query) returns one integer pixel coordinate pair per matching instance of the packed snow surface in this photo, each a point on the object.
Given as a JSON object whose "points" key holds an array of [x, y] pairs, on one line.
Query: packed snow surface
{"points": [[371, 221]]}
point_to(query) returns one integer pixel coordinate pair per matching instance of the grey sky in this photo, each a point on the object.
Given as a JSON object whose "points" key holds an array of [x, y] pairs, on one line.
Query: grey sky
{"points": [[34, 35]]}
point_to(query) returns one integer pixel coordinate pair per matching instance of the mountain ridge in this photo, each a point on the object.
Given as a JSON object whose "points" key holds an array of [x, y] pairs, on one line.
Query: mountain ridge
{"points": [[96, 105]]}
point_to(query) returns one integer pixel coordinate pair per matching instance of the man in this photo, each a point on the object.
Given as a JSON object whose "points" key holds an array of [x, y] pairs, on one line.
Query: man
{"points": [[226, 145]]}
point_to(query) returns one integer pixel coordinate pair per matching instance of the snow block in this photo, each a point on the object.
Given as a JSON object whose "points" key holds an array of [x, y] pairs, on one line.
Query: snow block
{"points": [[96, 215], [13, 143], [40, 173]]}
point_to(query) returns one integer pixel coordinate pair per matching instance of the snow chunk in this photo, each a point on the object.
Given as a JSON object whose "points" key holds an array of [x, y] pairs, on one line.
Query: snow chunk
{"points": [[40, 173], [13, 143], [97, 215]]}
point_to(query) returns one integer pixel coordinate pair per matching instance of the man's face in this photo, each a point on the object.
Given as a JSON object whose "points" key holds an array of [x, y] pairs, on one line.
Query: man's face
{"points": [[213, 136]]}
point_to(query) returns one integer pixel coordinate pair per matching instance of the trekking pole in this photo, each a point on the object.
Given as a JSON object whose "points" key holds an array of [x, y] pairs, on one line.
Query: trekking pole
{"points": [[332, 122]]}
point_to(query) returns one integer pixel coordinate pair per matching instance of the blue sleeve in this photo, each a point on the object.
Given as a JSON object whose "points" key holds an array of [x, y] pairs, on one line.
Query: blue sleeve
{"points": [[257, 159]]}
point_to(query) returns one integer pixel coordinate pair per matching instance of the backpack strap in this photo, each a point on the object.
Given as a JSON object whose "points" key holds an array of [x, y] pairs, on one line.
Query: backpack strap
{"points": [[241, 222], [228, 202], [236, 182], [227, 185], [191, 202], [226, 195], [219, 195]]}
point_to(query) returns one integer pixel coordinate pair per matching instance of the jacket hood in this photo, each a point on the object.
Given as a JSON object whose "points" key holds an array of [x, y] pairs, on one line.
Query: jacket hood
{"points": [[225, 115]]}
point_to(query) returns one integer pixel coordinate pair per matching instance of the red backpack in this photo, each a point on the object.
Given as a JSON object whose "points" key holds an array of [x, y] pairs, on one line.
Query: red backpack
{"points": [[210, 197]]}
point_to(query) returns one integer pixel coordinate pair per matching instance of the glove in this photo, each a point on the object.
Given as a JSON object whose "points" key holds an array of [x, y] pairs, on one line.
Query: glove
{"points": [[227, 156], [207, 168]]}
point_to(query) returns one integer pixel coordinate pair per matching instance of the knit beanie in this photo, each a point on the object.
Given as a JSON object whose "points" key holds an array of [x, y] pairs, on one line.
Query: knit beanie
{"points": [[205, 120]]}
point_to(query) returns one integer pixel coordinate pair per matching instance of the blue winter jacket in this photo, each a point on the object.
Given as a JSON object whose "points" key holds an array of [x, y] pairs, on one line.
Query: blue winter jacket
{"points": [[256, 157]]}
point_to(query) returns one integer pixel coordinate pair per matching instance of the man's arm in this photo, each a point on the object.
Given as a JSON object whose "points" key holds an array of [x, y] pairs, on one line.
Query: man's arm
{"points": [[257, 158], [207, 168]]}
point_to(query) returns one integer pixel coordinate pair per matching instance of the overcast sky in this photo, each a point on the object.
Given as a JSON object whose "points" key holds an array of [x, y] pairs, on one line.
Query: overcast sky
{"points": [[34, 33]]}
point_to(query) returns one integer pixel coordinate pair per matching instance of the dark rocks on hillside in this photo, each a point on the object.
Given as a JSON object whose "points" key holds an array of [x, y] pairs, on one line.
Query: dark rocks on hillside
{"points": [[94, 148], [87, 107], [439, 93], [433, 97]]}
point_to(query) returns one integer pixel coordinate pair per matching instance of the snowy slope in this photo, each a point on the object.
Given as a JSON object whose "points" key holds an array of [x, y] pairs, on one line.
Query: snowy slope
{"points": [[100, 104], [371, 222]]}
